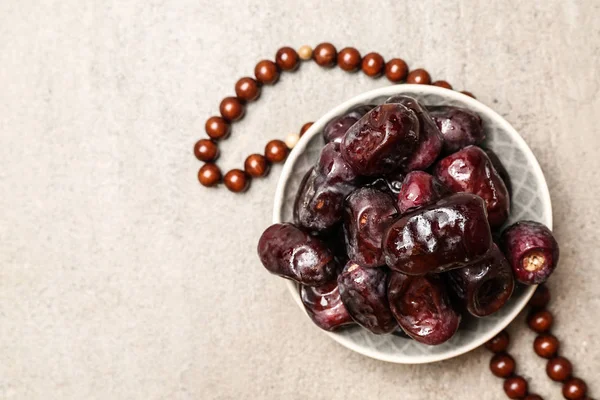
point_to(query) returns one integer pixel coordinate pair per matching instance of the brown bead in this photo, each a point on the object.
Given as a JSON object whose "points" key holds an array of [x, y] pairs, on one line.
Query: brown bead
{"points": [[574, 389], [325, 55], [287, 59], [468, 94], [442, 84], [502, 365], [256, 165], [231, 108], [276, 151], [396, 70], [372, 65], [209, 175], [540, 321], [533, 397], [559, 369], [206, 150], [546, 346], [541, 297], [498, 343], [217, 128], [305, 128], [266, 72], [247, 89], [419, 76], [236, 180], [515, 387], [349, 59]]}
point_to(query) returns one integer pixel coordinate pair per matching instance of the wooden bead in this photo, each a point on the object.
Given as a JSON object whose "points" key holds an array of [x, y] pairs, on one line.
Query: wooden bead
{"points": [[231, 108], [546, 346], [305, 128], [468, 94], [276, 151], [287, 59], [540, 321], [247, 89], [559, 369], [502, 365], [396, 70], [442, 84], [256, 165], [574, 389], [206, 150], [372, 65], [419, 76], [498, 343], [236, 180], [209, 175], [305, 52], [540, 298], [533, 397], [291, 140], [217, 128], [349, 59], [266, 72], [515, 387], [325, 55]]}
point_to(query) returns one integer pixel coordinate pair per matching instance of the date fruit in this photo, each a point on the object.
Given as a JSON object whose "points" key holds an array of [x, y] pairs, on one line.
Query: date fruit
{"points": [[500, 169], [459, 127], [363, 292], [419, 189], [289, 252], [382, 140], [324, 306], [483, 286], [430, 137], [334, 168], [470, 170], [531, 250], [422, 307], [320, 200], [367, 214], [335, 130], [446, 235]]}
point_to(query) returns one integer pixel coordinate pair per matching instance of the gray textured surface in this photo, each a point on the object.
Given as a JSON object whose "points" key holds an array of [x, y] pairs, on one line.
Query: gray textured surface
{"points": [[122, 278]]}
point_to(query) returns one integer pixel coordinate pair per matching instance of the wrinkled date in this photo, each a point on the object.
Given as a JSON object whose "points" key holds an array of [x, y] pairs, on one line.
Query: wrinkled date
{"points": [[335, 130], [430, 138], [363, 292], [419, 189], [531, 251], [500, 169], [422, 307], [446, 235], [470, 170], [324, 306], [367, 214], [459, 127], [382, 140], [320, 199], [287, 251], [484, 286]]}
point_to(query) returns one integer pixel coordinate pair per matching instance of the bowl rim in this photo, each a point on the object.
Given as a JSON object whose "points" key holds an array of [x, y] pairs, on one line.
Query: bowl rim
{"points": [[473, 104]]}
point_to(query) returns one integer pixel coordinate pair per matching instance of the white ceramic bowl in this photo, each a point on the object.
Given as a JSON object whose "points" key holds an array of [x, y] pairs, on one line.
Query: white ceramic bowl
{"points": [[530, 200]]}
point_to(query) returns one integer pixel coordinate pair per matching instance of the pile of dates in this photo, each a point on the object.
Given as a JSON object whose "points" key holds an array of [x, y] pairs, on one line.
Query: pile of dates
{"points": [[397, 228]]}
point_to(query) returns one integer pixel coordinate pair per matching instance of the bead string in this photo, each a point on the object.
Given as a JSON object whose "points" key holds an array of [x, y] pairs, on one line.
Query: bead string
{"points": [[267, 72], [396, 71], [546, 345]]}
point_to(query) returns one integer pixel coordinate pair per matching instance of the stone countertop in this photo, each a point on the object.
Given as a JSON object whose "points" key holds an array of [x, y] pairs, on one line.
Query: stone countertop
{"points": [[122, 278]]}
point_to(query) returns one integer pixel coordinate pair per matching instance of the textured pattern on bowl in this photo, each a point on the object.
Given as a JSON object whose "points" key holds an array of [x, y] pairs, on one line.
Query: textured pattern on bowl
{"points": [[530, 200]]}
